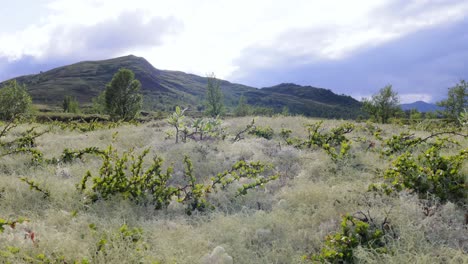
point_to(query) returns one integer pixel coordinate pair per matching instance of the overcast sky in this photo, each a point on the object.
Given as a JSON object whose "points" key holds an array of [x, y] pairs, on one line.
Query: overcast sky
{"points": [[351, 47]]}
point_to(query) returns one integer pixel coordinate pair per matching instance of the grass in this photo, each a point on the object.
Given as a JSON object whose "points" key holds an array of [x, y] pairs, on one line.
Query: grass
{"points": [[280, 223]]}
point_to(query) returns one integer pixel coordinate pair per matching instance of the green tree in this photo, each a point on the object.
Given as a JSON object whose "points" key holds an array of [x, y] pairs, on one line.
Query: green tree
{"points": [[242, 109], [384, 105], [456, 102], [214, 97], [99, 103], [123, 98], [15, 101], [70, 105]]}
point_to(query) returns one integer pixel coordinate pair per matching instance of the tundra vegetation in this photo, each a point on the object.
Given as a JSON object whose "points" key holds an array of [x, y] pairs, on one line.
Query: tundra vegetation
{"points": [[281, 189], [249, 189]]}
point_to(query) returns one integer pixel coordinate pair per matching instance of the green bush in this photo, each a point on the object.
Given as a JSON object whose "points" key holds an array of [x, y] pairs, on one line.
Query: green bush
{"points": [[428, 174], [125, 176], [263, 132], [14, 101], [334, 142], [355, 232]]}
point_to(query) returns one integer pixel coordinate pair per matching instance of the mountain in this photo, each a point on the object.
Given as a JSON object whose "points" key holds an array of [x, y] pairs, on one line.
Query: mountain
{"points": [[421, 106], [163, 89]]}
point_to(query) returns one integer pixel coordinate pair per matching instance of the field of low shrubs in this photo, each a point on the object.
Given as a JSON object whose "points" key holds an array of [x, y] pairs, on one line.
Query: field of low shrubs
{"points": [[239, 190]]}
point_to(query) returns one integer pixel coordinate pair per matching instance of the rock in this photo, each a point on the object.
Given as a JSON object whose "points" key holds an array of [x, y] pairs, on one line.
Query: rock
{"points": [[218, 256]]}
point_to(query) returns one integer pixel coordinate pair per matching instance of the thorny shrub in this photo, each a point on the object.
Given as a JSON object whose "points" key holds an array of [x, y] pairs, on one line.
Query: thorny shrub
{"points": [[334, 142], [430, 173], [125, 175], [359, 230]]}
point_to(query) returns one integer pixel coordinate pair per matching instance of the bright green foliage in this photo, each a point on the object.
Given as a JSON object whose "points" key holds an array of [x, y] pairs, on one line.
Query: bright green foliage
{"points": [[123, 98], [214, 97], [355, 232], [456, 102], [263, 132], [14, 101], [398, 143], [334, 142], [10, 223], [384, 105], [87, 126], [463, 118], [404, 141], [69, 155], [133, 237], [70, 105], [428, 174], [204, 128], [124, 175], [177, 120], [25, 143], [34, 186], [198, 129]]}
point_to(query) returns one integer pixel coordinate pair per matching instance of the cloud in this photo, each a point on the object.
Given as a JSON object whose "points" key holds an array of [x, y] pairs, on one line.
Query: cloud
{"points": [[126, 32], [64, 43], [25, 65], [421, 60]]}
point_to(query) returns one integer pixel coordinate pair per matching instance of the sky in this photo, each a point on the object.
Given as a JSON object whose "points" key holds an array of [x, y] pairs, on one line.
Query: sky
{"points": [[420, 47]]}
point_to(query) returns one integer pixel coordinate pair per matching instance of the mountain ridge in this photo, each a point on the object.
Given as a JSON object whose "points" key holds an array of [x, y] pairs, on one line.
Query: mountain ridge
{"points": [[421, 106], [164, 89]]}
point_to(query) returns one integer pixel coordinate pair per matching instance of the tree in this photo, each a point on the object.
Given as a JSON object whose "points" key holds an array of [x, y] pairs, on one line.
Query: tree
{"points": [[123, 98], [70, 105], [384, 105], [99, 103], [456, 102], [214, 97], [15, 101], [242, 108]]}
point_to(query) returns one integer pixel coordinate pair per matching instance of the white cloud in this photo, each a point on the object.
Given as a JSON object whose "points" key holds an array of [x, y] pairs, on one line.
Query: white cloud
{"points": [[216, 33]]}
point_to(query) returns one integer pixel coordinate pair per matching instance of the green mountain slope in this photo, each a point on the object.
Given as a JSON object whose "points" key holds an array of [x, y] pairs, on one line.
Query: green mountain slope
{"points": [[164, 89]]}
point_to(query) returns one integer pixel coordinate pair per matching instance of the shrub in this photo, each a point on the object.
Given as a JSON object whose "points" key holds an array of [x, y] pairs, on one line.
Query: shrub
{"points": [[125, 176], [428, 174], [14, 101], [263, 132], [355, 231], [334, 142]]}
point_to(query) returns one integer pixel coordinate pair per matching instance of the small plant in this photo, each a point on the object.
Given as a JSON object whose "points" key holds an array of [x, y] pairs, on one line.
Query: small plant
{"points": [[69, 155], [34, 186], [240, 135], [358, 230], [263, 132], [177, 121], [25, 143], [11, 223], [334, 142], [132, 236]]}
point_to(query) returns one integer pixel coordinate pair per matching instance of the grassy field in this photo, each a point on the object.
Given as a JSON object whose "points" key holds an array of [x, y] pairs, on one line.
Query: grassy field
{"points": [[282, 222]]}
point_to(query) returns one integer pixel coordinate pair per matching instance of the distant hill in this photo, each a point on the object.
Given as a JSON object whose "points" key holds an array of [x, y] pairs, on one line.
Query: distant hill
{"points": [[165, 89], [421, 106]]}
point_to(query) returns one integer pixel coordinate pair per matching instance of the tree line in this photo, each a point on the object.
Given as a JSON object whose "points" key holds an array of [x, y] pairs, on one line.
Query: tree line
{"points": [[122, 100]]}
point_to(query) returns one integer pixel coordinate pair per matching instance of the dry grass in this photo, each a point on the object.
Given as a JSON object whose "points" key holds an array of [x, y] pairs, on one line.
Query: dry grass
{"points": [[278, 224]]}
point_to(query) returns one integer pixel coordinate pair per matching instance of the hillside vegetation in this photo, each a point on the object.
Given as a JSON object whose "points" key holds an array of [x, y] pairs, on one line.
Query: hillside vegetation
{"points": [[275, 190], [163, 90]]}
